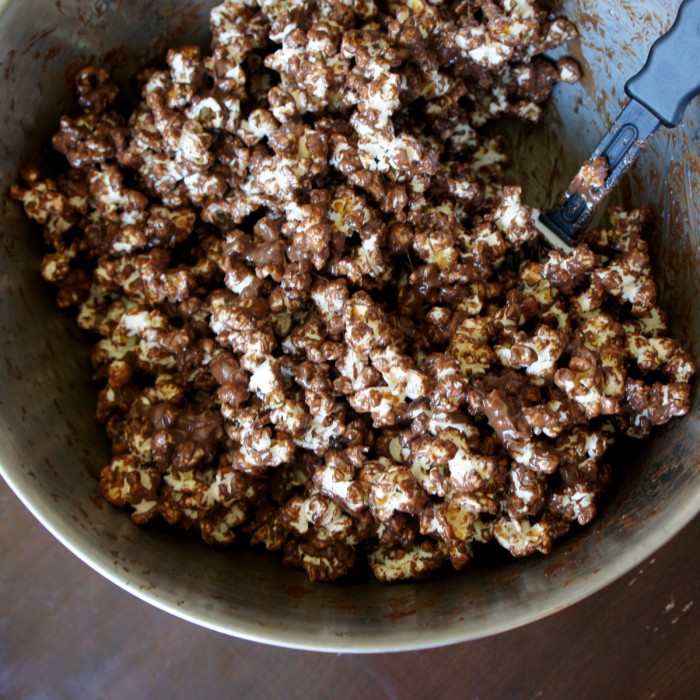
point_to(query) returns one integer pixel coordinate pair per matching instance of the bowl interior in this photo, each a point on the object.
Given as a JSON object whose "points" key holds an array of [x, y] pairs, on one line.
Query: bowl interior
{"points": [[52, 447]]}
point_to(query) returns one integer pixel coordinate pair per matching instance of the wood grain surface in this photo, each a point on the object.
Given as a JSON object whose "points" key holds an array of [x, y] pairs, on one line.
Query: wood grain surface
{"points": [[65, 632]]}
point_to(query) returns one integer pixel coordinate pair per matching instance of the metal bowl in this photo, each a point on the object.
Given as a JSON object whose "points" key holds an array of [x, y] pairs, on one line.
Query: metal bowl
{"points": [[51, 448]]}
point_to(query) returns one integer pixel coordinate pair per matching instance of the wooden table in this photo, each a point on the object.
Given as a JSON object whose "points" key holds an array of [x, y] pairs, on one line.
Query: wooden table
{"points": [[65, 632]]}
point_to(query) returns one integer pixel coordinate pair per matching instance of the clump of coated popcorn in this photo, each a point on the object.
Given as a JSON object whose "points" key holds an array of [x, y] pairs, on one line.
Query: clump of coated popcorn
{"points": [[321, 328]]}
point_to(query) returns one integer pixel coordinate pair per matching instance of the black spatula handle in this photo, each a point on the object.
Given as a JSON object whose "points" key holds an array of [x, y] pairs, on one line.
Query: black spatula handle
{"points": [[670, 77]]}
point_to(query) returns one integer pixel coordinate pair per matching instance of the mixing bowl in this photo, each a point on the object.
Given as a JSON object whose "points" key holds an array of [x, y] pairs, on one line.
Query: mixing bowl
{"points": [[51, 448]]}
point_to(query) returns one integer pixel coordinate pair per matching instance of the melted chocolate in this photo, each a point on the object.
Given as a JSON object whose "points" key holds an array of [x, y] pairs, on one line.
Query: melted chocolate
{"points": [[162, 415], [509, 425], [266, 253], [224, 371]]}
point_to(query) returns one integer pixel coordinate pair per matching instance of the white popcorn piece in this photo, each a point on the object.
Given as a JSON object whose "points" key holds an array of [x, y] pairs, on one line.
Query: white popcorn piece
{"points": [[392, 563], [538, 354], [521, 538], [470, 345]]}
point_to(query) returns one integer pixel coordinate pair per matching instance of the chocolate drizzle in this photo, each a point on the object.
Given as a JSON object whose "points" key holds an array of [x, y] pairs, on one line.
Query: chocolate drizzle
{"points": [[510, 425]]}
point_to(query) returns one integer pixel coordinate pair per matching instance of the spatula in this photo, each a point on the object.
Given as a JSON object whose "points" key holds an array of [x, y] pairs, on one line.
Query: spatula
{"points": [[659, 95]]}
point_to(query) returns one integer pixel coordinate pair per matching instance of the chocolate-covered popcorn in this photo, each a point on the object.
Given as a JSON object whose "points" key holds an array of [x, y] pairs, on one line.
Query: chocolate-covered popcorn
{"points": [[320, 324]]}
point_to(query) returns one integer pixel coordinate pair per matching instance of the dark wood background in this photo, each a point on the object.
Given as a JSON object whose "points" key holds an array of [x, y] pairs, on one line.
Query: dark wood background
{"points": [[65, 632]]}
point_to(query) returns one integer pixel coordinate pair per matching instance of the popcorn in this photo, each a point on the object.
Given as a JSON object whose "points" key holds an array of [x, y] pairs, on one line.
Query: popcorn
{"points": [[45, 204], [513, 219], [321, 564], [653, 405], [521, 538], [126, 480], [538, 354], [94, 90], [336, 480], [394, 563], [469, 345], [584, 383], [392, 488], [90, 139], [527, 493], [311, 67], [319, 323], [660, 353]]}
